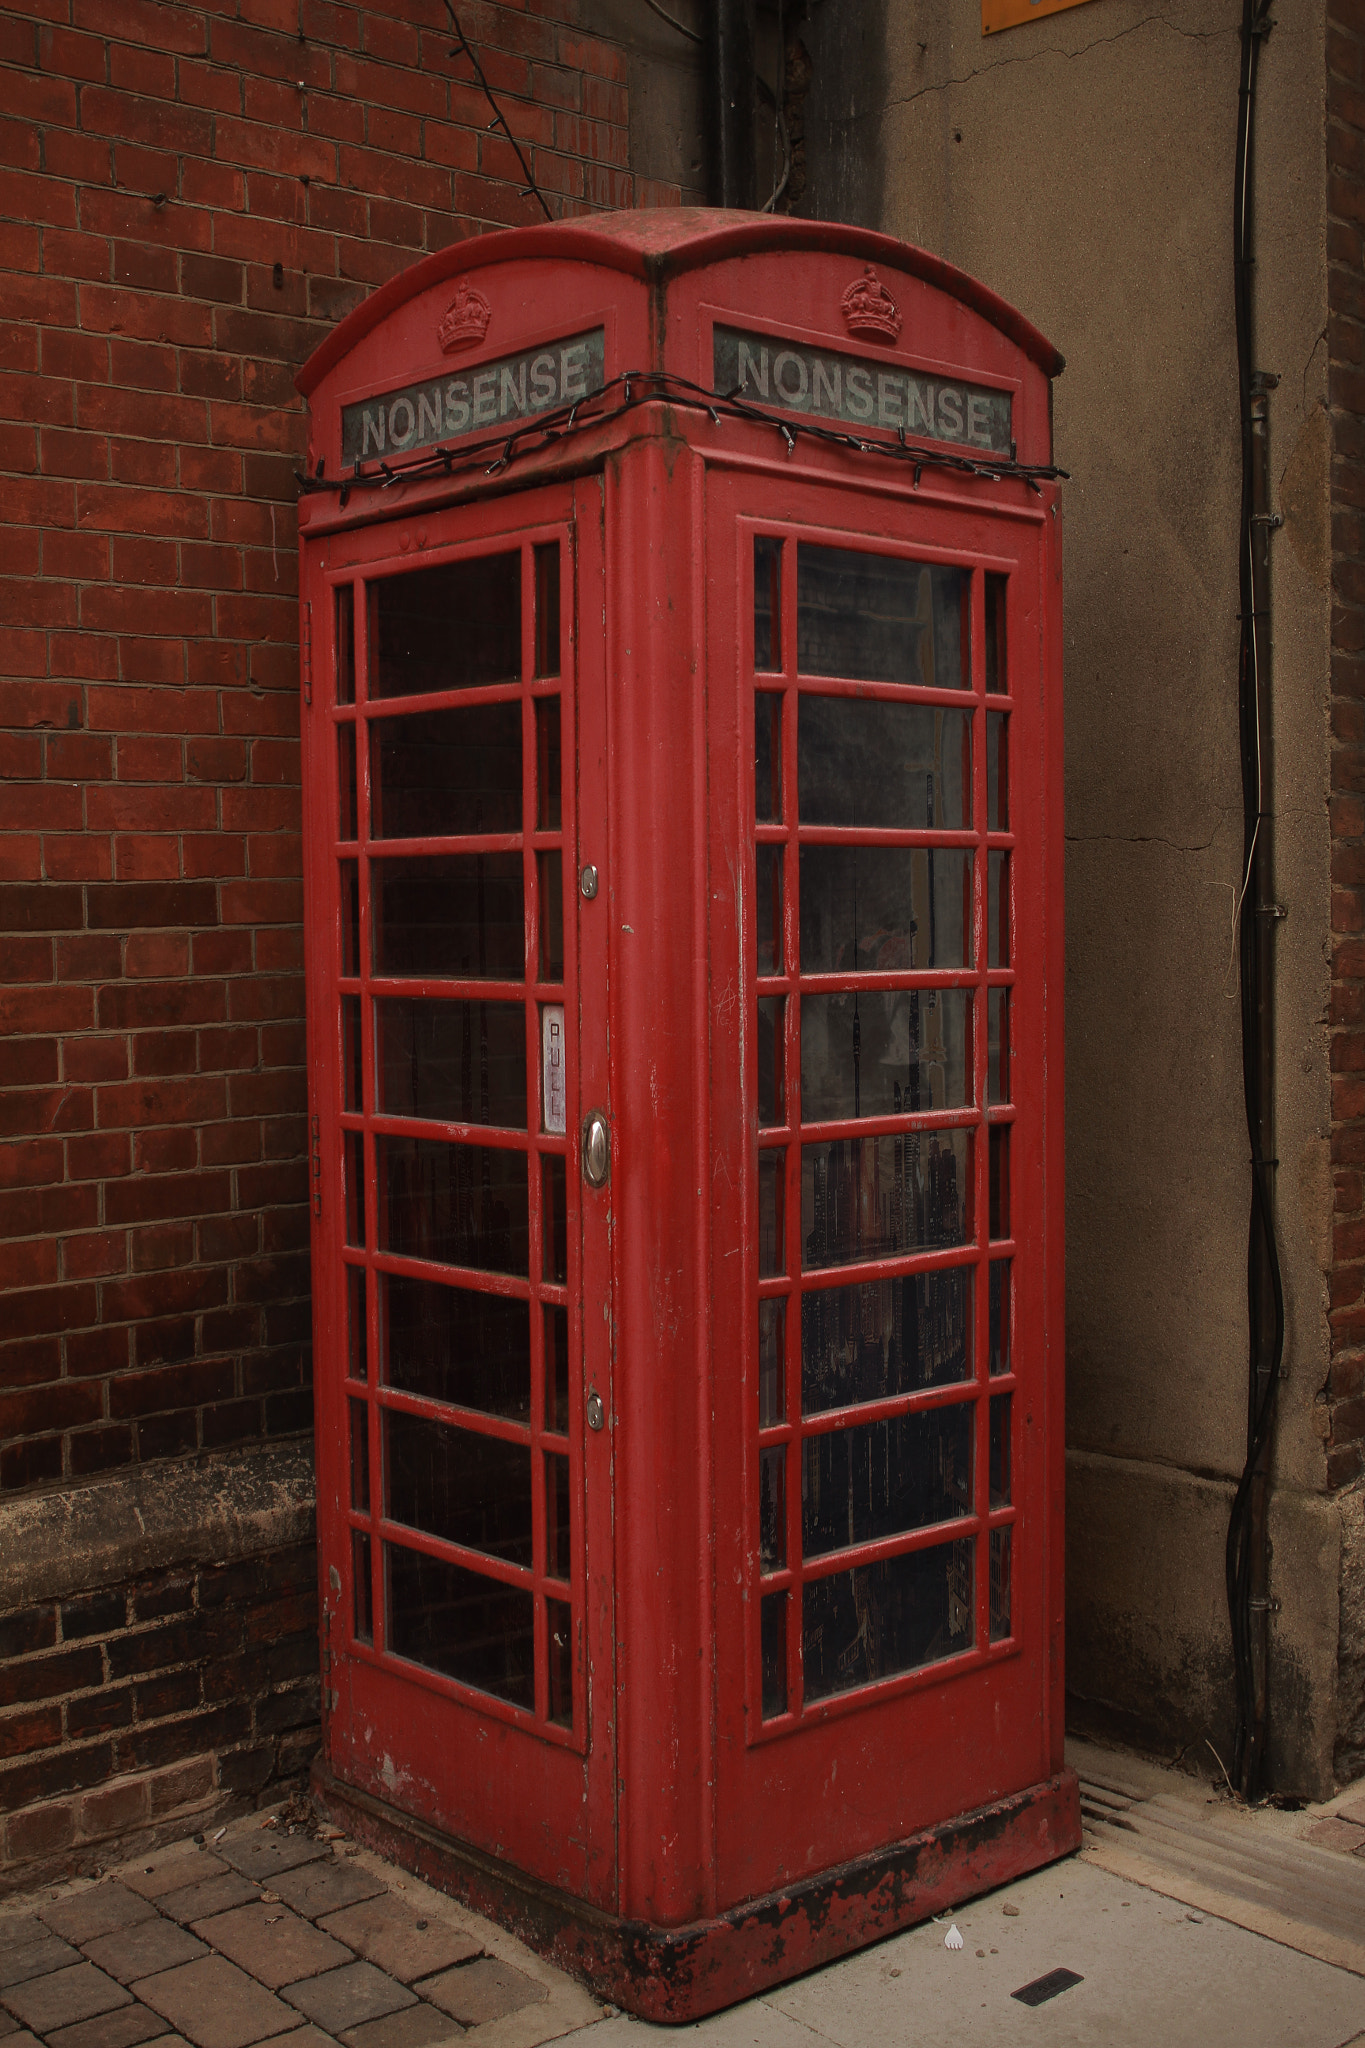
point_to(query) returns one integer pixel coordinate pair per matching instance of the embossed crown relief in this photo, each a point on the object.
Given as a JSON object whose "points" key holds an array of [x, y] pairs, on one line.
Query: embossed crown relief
{"points": [[869, 308], [466, 321]]}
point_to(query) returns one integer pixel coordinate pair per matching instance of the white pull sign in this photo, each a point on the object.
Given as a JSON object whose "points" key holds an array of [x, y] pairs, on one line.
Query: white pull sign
{"points": [[552, 1068]]}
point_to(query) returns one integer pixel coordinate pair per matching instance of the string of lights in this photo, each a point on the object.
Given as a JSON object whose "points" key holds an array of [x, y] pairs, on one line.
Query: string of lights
{"points": [[497, 452]]}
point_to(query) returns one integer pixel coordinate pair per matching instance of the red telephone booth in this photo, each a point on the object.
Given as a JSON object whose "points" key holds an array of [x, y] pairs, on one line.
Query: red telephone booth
{"points": [[682, 742]]}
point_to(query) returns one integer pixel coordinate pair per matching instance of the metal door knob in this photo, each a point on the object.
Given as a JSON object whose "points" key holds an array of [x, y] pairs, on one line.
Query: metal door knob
{"points": [[596, 1149], [597, 1414]]}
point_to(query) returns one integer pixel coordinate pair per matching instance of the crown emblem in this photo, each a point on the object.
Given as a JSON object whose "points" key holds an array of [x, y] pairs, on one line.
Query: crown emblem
{"points": [[466, 321], [869, 308]]}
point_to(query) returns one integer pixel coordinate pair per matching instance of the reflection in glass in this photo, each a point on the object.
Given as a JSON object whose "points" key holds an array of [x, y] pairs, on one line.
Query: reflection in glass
{"points": [[554, 1219], [772, 1187], [997, 910], [547, 608], [461, 1205], [767, 600], [453, 627], [864, 761], [883, 1053], [998, 1046], [559, 1627], [550, 873], [455, 914], [350, 916], [353, 1173], [868, 1198], [1000, 1316], [772, 1106], [557, 1548], [1001, 1484], [884, 1337], [772, 1366], [1000, 1584], [455, 1621], [359, 1412], [438, 774], [879, 1619], [361, 1588], [357, 1349], [348, 808], [345, 643], [459, 1063], [880, 618], [906, 907], [549, 808], [997, 772], [557, 1369], [997, 668], [886, 1477], [772, 1629], [772, 1508], [453, 1344], [1000, 1180], [352, 1061], [768, 909], [767, 759], [466, 1489]]}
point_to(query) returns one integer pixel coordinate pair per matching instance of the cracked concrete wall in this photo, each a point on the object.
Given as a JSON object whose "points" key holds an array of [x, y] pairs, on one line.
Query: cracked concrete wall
{"points": [[1083, 166]]}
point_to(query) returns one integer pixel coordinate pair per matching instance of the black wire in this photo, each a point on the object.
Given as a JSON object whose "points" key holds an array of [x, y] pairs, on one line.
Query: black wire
{"points": [[673, 22], [499, 118]]}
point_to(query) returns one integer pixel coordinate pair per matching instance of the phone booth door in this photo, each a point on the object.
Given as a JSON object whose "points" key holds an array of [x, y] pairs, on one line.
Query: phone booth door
{"points": [[456, 1035], [876, 673]]}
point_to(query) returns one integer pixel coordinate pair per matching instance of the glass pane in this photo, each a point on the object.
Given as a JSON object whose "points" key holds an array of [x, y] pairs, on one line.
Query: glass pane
{"points": [[549, 766], [998, 1046], [997, 772], [358, 1346], [454, 627], [883, 1053], [882, 909], [772, 1363], [772, 1628], [350, 916], [1001, 1452], [557, 1551], [876, 1620], [559, 1624], [862, 761], [457, 914], [880, 618], [767, 600], [772, 1185], [547, 608], [362, 1591], [772, 1508], [767, 759], [458, 1622], [436, 774], [360, 1455], [553, 1078], [353, 1173], [345, 643], [1000, 1180], [466, 1489], [866, 1198], [459, 1063], [886, 1477], [462, 1205], [550, 870], [997, 910], [453, 1344], [772, 1108], [1000, 1316], [884, 1337], [555, 1224], [1000, 1584], [352, 1058], [347, 805], [768, 909], [997, 668], [557, 1369]]}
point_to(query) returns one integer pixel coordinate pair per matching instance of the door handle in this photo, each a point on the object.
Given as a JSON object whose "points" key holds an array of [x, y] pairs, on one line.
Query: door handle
{"points": [[596, 1149]]}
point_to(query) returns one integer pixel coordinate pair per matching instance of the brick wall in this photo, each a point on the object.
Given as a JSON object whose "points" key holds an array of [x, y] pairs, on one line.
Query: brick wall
{"points": [[190, 195], [1344, 1423]]}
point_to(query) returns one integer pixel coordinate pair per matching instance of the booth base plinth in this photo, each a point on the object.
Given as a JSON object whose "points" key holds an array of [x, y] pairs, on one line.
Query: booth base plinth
{"points": [[675, 1974]]}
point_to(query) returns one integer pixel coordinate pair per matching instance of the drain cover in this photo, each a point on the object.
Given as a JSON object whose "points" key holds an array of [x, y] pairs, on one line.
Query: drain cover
{"points": [[1043, 1988]]}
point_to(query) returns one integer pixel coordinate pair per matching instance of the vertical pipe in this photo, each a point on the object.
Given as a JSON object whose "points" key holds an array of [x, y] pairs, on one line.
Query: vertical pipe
{"points": [[730, 70]]}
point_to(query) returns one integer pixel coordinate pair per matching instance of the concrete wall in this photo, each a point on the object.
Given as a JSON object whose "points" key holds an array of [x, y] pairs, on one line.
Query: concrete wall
{"points": [[1083, 166]]}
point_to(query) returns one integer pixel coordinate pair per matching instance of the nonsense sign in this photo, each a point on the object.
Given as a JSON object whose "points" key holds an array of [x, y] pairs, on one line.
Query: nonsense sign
{"points": [[489, 396]]}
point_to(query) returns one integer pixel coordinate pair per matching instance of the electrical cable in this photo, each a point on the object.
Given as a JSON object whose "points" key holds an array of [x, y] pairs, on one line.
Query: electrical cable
{"points": [[499, 118], [681, 26]]}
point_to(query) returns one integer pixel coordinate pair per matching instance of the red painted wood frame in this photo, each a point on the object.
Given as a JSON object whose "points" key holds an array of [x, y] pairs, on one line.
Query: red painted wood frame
{"points": [[394, 1721]]}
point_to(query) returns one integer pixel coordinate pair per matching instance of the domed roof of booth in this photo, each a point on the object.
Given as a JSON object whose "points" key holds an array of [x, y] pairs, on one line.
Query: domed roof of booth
{"points": [[656, 243]]}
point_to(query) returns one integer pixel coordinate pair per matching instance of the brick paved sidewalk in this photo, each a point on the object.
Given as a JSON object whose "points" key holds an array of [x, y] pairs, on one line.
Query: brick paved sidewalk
{"points": [[264, 1933]]}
